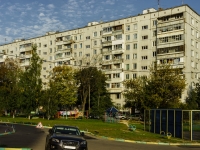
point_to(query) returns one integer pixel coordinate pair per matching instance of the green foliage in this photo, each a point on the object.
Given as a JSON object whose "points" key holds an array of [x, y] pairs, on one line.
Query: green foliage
{"points": [[193, 99], [9, 91], [162, 89], [91, 80], [64, 83], [31, 84]]}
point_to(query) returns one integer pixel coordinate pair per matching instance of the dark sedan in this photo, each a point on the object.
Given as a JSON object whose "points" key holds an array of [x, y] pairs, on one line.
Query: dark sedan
{"points": [[62, 137]]}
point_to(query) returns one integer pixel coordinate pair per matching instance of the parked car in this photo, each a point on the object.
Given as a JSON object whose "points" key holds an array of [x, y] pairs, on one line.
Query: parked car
{"points": [[136, 117], [62, 137], [120, 116]]}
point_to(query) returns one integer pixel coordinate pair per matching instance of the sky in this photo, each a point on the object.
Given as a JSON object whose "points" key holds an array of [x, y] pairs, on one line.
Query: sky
{"points": [[32, 18]]}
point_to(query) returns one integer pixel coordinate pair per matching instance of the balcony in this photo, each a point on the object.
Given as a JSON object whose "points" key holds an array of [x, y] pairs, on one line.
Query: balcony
{"points": [[118, 31], [118, 51], [106, 33], [118, 60], [106, 51], [107, 43], [68, 41], [23, 49]]}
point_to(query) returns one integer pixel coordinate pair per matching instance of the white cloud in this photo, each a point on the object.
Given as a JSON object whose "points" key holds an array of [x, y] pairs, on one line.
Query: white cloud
{"points": [[23, 14], [41, 15], [51, 6]]}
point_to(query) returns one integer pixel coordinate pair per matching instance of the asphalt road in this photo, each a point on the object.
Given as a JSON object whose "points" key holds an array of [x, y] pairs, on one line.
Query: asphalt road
{"points": [[32, 137]]}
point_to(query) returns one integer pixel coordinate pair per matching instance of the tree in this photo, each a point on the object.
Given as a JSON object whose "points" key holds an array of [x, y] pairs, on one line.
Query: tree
{"points": [[92, 89], [191, 100], [134, 92], [31, 83], [63, 82], [9, 77], [161, 89]]}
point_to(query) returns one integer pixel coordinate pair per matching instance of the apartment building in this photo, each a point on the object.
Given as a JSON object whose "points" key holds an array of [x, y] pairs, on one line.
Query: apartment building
{"points": [[122, 49]]}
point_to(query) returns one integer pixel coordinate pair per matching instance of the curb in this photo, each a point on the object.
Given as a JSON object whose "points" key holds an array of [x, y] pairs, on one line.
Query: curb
{"points": [[1, 148], [142, 142]]}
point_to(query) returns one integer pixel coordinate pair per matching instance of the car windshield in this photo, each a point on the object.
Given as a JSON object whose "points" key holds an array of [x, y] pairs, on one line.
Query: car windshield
{"points": [[66, 130]]}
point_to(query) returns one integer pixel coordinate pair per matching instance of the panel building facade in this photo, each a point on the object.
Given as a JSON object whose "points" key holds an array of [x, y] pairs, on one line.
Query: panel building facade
{"points": [[122, 49]]}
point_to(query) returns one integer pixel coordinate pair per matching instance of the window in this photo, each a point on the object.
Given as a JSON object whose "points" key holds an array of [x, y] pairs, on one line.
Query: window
{"points": [[197, 55], [192, 21], [144, 67], [107, 29], [197, 45], [144, 57], [80, 37], [127, 76], [44, 53], [50, 50], [154, 43], [87, 55], [154, 22], [192, 31], [154, 54], [128, 47], [197, 34], [134, 75], [118, 47], [127, 66], [116, 75], [87, 46], [192, 42], [107, 57], [154, 33], [68, 37], [135, 26], [196, 76], [192, 64], [127, 37], [145, 27], [115, 85], [144, 47], [75, 46], [95, 42], [134, 66], [135, 46], [75, 37], [145, 37], [118, 96], [39, 45], [59, 46], [80, 53], [118, 37], [95, 51], [75, 54], [128, 28], [134, 56], [50, 42], [197, 23], [95, 34], [108, 38], [127, 57], [80, 45], [196, 66], [171, 38], [135, 36], [87, 37]]}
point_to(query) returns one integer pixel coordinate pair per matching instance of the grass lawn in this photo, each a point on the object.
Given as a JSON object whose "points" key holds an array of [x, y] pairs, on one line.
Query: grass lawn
{"points": [[101, 128]]}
